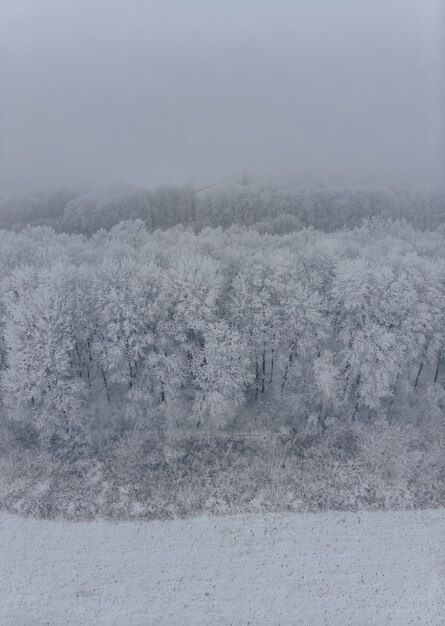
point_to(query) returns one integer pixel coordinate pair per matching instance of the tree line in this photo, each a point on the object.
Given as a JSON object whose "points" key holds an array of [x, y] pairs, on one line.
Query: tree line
{"points": [[274, 208], [222, 329]]}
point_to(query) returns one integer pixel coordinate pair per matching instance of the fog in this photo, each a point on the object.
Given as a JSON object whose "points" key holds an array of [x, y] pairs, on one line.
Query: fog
{"points": [[149, 93]]}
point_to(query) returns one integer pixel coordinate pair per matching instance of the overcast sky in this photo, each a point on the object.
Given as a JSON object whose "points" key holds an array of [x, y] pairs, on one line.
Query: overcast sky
{"points": [[146, 92]]}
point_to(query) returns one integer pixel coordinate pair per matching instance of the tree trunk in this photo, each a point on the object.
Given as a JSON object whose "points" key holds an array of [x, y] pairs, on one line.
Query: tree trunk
{"points": [[418, 375], [104, 378], [436, 375], [286, 371], [272, 362], [162, 392], [263, 375], [394, 390], [356, 403], [79, 360]]}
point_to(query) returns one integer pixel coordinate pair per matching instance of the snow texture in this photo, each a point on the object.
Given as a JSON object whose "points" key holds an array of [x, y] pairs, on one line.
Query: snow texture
{"points": [[332, 568]]}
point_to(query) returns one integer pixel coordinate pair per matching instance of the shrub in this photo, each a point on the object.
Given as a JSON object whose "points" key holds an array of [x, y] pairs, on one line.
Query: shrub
{"points": [[137, 477]]}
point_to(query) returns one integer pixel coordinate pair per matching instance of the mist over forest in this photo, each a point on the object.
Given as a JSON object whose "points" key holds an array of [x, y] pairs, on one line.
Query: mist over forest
{"points": [[222, 285], [275, 207], [134, 322]]}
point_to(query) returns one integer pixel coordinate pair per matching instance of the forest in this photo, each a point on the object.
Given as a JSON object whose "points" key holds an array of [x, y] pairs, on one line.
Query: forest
{"points": [[222, 313], [274, 207], [135, 359]]}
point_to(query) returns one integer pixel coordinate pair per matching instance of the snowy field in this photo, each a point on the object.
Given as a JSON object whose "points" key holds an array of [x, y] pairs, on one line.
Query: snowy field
{"points": [[333, 568]]}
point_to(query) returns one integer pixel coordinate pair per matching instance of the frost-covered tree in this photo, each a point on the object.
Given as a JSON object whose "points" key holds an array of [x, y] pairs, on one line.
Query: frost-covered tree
{"points": [[325, 385], [221, 374], [41, 380], [173, 328]]}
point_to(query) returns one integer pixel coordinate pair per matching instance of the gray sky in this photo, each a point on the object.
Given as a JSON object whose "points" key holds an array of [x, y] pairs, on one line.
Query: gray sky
{"points": [[147, 92]]}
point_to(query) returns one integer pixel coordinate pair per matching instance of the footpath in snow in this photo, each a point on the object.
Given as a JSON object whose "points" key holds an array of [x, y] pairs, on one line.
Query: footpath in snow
{"points": [[336, 569]]}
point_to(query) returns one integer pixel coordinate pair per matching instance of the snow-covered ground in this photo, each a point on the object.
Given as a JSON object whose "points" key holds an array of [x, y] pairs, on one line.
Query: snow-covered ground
{"points": [[333, 568]]}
